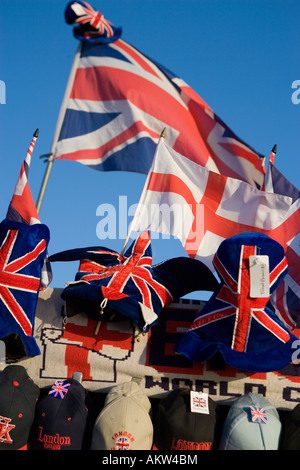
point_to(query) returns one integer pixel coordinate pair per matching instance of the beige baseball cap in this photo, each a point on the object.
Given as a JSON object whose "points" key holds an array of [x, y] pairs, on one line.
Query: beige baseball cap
{"points": [[124, 422]]}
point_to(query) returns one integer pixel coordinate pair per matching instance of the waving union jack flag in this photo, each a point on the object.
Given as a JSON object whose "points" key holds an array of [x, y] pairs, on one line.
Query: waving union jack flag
{"points": [[59, 389], [22, 252], [116, 124], [22, 207], [286, 299]]}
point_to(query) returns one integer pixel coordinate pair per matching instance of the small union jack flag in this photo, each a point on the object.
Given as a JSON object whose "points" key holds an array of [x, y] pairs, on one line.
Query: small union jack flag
{"points": [[199, 402], [258, 415], [123, 443], [59, 389]]}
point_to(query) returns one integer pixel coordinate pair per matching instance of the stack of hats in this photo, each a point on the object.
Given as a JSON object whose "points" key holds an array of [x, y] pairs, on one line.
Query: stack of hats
{"points": [[125, 421], [184, 421], [64, 418], [18, 399], [252, 423]]}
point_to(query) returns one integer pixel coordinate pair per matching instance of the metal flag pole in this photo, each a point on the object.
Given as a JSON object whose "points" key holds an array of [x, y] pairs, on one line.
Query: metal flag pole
{"points": [[162, 135], [61, 116]]}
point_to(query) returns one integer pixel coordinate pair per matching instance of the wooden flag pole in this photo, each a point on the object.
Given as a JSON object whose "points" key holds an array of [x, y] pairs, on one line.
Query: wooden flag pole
{"points": [[60, 119], [162, 135]]}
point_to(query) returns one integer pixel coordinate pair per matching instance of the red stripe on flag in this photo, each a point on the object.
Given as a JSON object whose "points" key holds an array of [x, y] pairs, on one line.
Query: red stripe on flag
{"points": [[100, 152], [136, 56]]}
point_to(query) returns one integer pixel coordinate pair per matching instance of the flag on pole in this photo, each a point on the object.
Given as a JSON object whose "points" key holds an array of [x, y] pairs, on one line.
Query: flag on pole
{"points": [[117, 101], [22, 207], [286, 299], [202, 208]]}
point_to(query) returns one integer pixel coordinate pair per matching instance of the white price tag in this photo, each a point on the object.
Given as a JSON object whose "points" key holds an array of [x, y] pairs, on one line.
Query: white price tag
{"points": [[259, 276], [199, 402]]}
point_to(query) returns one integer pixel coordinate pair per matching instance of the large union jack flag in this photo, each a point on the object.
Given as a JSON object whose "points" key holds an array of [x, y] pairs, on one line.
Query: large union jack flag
{"points": [[22, 252], [129, 283], [249, 334], [118, 101], [286, 299]]}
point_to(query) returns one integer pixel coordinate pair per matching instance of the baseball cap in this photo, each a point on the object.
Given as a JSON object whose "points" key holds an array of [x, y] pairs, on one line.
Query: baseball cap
{"points": [[291, 434], [64, 418], [18, 399], [124, 423], [252, 423], [178, 427]]}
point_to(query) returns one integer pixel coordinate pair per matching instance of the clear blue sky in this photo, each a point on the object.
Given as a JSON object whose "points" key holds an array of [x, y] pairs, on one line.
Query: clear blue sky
{"points": [[241, 56]]}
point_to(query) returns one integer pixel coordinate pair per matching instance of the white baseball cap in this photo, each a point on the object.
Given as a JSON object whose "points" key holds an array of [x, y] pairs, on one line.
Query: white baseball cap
{"points": [[124, 423]]}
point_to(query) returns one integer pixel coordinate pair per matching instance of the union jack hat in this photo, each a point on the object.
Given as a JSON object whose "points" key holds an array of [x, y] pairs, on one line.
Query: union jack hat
{"points": [[178, 427], [128, 287], [236, 322], [23, 249], [64, 417], [91, 25], [124, 422], [252, 423]]}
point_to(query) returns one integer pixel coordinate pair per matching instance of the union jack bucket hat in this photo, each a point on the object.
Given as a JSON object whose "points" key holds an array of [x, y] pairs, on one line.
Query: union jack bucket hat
{"points": [[237, 321], [110, 286], [252, 423]]}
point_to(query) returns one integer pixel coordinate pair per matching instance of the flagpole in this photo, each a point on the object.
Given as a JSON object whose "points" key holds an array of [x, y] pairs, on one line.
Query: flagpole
{"points": [[61, 115], [267, 180], [162, 135], [273, 153]]}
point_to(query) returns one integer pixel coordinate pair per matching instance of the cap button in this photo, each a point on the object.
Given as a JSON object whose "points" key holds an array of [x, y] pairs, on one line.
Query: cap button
{"points": [[15, 383]]}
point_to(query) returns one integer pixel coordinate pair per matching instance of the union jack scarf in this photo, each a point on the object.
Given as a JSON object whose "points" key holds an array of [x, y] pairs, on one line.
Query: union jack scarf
{"points": [[249, 335]]}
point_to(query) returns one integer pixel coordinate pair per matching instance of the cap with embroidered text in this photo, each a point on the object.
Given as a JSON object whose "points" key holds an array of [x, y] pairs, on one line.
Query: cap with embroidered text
{"points": [[18, 399], [124, 422], [64, 418], [178, 427]]}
